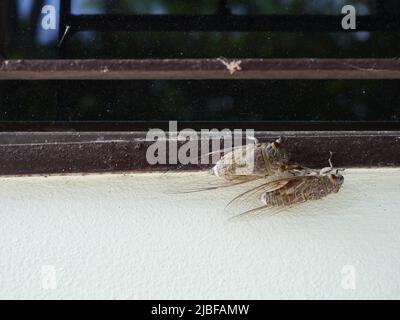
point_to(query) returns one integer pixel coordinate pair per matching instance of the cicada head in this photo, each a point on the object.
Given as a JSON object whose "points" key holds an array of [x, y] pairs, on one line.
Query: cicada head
{"points": [[336, 180], [273, 157], [332, 175], [278, 153], [259, 160]]}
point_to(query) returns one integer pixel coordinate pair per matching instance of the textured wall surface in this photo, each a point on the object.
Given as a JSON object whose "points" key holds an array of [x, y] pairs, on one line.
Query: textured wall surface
{"points": [[131, 236]]}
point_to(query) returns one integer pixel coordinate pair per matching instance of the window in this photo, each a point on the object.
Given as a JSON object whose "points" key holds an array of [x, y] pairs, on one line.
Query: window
{"points": [[134, 65]]}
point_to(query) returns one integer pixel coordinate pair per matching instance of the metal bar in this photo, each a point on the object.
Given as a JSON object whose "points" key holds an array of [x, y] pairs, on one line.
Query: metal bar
{"points": [[63, 110], [200, 69], [61, 153], [223, 8], [2, 29], [380, 7]]}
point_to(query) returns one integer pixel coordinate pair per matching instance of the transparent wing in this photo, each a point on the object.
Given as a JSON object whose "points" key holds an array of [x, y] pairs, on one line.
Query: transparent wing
{"points": [[218, 184], [207, 182], [220, 152], [249, 201]]}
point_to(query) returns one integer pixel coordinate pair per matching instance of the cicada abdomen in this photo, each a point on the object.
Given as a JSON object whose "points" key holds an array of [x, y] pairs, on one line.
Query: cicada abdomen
{"points": [[302, 189], [254, 160]]}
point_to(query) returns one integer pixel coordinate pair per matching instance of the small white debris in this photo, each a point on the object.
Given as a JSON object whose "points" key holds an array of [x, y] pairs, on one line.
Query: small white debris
{"points": [[232, 66]]}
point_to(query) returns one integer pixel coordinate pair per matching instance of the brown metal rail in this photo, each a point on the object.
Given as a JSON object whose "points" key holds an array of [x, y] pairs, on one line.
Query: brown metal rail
{"points": [[200, 69], [61, 152]]}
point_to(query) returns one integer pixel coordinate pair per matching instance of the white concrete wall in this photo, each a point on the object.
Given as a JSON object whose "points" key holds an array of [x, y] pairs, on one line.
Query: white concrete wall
{"points": [[126, 236]]}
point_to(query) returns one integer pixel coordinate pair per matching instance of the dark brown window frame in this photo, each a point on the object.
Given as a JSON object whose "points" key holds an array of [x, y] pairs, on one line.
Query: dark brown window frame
{"points": [[119, 147], [199, 69], [23, 153]]}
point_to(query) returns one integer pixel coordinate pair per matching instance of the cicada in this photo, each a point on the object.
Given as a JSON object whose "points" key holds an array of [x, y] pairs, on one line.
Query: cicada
{"points": [[236, 167], [248, 163], [289, 188], [267, 159], [290, 191]]}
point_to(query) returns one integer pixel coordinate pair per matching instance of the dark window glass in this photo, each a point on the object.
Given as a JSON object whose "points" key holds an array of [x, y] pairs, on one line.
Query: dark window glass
{"points": [[250, 100], [198, 100], [26, 39]]}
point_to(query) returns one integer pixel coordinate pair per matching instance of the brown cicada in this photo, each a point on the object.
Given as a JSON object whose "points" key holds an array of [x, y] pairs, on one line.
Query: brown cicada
{"points": [[252, 162], [266, 159], [248, 163], [289, 188], [272, 182]]}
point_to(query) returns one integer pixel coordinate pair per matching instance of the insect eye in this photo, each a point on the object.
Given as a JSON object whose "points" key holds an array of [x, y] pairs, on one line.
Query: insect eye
{"points": [[331, 178]]}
